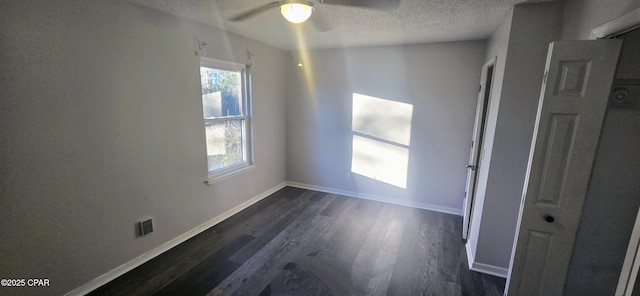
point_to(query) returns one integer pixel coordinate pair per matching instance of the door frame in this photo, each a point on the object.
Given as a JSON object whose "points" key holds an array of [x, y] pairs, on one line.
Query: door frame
{"points": [[477, 142], [631, 265], [618, 26]]}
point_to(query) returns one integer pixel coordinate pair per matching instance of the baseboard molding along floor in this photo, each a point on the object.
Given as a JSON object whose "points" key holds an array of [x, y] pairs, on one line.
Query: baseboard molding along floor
{"points": [[484, 268], [413, 204], [124, 268]]}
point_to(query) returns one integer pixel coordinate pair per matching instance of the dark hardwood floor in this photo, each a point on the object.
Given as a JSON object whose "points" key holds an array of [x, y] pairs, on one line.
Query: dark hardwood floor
{"points": [[301, 242]]}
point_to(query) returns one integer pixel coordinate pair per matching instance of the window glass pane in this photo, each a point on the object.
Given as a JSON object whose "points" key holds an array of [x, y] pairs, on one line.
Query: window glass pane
{"points": [[224, 143], [221, 92]]}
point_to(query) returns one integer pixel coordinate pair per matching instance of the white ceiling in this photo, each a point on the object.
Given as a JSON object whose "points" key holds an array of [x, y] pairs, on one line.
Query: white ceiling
{"points": [[415, 21]]}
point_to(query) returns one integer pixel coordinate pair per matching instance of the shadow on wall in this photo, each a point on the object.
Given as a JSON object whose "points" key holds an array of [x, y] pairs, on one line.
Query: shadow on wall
{"points": [[381, 139]]}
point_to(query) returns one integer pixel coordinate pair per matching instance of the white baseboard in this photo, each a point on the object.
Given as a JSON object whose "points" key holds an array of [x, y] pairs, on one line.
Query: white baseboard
{"points": [[124, 268], [484, 268], [412, 204], [128, 266]]}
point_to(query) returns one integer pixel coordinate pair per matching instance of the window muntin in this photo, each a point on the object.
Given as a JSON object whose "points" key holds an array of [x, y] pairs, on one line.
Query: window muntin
{"points": [[225, 115]]}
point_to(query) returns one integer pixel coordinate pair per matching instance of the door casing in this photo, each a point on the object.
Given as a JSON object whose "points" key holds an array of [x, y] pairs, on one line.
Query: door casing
{"points": [[477, 143]]}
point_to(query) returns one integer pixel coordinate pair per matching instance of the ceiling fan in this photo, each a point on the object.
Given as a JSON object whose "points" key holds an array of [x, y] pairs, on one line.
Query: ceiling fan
{"points": [[298, 11]]}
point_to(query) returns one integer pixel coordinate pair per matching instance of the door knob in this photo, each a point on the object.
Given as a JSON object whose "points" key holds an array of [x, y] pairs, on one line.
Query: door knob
{"points": [[472, 167], [549, 219]]}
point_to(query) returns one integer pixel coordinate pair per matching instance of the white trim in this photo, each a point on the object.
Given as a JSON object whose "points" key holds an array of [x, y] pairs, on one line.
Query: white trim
{"points": [[235, 170], [618, 26], [124, 268], [482, 267], [631, 262], [470, 257], [413, 204], [220, 64], [247, 126], [477, 137]]}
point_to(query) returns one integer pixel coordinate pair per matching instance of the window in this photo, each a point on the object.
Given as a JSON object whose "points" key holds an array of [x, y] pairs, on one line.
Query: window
{"points": [[226, 107]]}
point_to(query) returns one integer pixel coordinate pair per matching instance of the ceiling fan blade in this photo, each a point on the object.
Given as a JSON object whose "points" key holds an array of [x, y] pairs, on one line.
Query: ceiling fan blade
{"points": [[377, 4], [252, 12], [319, 21]]}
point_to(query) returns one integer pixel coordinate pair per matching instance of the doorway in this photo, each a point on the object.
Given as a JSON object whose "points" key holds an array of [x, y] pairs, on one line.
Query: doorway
{"points": [[612, 201], [620, 146], [476, 150]]}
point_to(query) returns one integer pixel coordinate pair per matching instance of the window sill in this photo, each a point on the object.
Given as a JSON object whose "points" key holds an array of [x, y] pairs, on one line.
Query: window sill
{"points": [[217, 178]]}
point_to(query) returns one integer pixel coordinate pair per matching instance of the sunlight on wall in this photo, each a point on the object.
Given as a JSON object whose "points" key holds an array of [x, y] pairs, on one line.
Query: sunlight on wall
{"points": [[381, 139], [304, 62]]}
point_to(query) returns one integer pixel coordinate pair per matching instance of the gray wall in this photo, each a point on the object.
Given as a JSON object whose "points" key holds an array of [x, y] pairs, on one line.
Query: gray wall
{"points": [[510, 130], [101, 126], [439, 80]]}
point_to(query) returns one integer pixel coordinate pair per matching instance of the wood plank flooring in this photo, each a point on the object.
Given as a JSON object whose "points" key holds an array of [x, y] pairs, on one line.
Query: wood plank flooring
{"points": [[302, 242]]}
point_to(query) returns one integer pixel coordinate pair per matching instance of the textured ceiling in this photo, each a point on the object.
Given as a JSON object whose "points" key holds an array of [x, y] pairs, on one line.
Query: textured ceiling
{"points": [[414, 21]]}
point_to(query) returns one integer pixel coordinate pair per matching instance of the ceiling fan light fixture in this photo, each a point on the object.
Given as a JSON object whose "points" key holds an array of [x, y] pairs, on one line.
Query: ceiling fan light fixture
{"points": [[296, 12]]}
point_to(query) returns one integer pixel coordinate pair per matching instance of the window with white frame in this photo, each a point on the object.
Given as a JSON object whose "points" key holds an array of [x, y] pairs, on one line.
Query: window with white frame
{"points": [[226, 109]]}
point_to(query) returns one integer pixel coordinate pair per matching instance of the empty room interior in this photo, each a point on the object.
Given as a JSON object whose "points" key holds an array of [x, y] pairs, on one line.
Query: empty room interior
{"points": [[384, 147]]}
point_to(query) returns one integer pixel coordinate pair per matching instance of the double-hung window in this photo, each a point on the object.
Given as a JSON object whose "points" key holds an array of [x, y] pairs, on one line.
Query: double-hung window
{"points": [[226, 114]]}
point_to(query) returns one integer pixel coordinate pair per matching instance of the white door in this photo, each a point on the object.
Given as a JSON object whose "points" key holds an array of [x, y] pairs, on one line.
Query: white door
{"points": [[570, 115], [474, 152]]}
